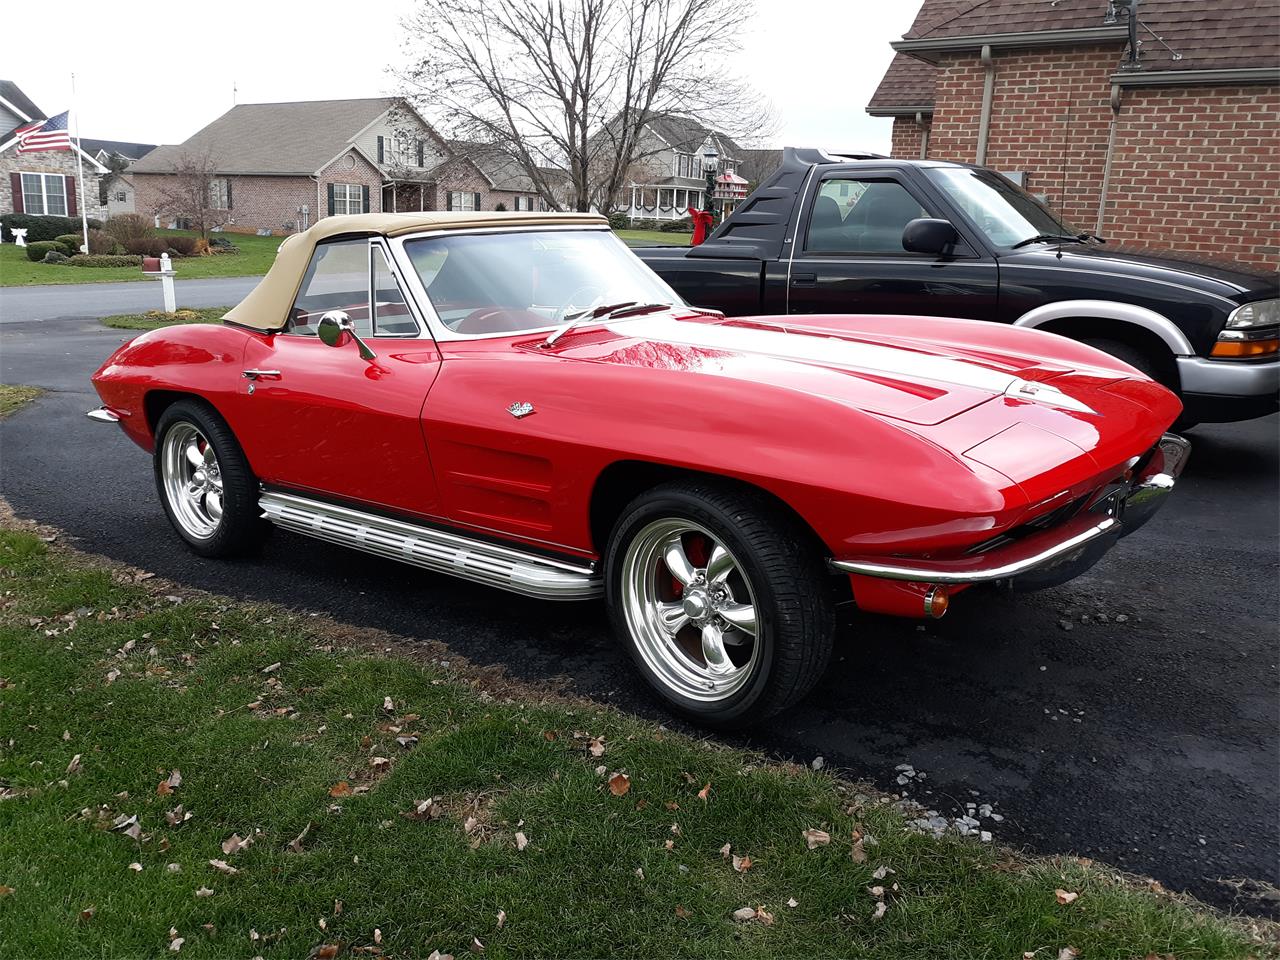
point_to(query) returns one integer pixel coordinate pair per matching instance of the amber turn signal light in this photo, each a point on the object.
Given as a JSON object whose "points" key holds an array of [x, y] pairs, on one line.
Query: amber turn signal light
{"points": [[936, 602], [1245, 348]]}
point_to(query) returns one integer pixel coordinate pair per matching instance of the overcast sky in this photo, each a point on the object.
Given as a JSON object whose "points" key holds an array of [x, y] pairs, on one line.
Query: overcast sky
{"points": [[157, 73]]}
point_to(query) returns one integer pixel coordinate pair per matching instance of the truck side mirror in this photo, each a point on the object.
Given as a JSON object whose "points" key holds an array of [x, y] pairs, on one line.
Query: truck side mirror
{"points": [[927, 235]]}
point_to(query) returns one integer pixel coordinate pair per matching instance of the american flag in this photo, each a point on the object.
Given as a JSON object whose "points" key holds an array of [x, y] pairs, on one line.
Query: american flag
{"points": [[48, 134]]}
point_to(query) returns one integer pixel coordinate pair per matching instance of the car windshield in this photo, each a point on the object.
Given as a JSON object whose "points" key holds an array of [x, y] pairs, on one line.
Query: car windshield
{"points": [[486, 283], [1004, 212]]}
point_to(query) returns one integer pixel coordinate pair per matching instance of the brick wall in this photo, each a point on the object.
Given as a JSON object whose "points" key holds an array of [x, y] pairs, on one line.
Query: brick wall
{"points": [[257, 203], [1053, 108], [461, 175], [351, 167], [50, 161], [1198, 169], [907, 137], [1194, 168]]}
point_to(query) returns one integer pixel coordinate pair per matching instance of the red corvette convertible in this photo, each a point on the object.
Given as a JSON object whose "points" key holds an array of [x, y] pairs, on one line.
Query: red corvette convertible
{"points": [[515, 399]]}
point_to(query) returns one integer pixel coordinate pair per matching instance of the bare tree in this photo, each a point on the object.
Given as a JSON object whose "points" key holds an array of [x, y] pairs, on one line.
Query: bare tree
{"points": [[193, 192], [573, 82]]}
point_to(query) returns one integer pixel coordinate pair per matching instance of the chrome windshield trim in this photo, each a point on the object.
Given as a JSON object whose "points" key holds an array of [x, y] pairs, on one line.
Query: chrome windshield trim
{"points": [[437, 327]]}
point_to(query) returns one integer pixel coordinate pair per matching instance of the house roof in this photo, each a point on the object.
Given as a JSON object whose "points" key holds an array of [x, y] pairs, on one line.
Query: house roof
{"points": [[1206, 34], [503, 171], [13, 93], [122, 148], [686, 135], [278, 139]]}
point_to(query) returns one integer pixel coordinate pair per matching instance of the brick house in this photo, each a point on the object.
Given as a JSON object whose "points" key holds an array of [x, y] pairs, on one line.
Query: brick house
{"points": [[282, 166], [116, 187], [1172, 141], [44, 182]]}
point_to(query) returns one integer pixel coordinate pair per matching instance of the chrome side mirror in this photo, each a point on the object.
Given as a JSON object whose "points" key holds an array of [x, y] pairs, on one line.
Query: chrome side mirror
{"points": [[335, 326]]}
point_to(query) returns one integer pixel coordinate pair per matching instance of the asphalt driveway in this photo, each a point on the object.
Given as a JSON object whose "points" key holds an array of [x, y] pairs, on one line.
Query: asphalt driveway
{"points": [[81, 300], [1128, 716]]}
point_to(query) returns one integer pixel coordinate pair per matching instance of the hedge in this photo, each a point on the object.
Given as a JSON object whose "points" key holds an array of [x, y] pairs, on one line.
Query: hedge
{"points": [[43, 228], [37, 250], [104, 260]]}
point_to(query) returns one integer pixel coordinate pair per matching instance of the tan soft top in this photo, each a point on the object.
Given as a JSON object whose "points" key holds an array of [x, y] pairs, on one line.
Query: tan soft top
{"points": [[267, 305]]}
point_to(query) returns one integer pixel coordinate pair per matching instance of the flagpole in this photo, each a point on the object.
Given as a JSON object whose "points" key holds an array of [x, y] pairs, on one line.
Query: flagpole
{"points": [[84, 197]]}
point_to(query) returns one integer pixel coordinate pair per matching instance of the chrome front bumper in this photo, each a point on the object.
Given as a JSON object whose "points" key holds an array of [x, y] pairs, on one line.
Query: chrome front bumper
{"points": [[1055, 555]]}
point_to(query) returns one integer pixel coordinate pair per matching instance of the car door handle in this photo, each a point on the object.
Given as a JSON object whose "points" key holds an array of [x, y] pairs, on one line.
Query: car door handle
{"points": [[804, 279], [261, 374]]}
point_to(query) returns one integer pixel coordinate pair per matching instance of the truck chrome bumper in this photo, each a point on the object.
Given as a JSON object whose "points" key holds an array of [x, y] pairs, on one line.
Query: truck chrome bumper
{"points": [[1054, 555]]}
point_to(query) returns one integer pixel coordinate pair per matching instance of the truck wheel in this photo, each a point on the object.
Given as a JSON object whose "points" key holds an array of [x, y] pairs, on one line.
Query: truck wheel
{"points": [[722, 602], [1142, 361], [208, 491]]}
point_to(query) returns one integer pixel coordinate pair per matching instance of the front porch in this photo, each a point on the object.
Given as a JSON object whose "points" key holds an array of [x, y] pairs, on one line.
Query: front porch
{"points": [[656, 202]]}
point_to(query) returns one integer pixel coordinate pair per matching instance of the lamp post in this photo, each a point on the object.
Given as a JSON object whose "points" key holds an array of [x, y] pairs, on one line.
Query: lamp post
{"points": [[709, 157]]}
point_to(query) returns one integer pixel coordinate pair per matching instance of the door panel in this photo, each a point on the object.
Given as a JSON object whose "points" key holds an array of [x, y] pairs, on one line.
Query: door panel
{"points": [[321, 418], [851, 259], [334, 423]]}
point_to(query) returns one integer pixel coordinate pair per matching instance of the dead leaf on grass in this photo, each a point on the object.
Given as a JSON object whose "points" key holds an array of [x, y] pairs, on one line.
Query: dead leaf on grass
{"points": [[178, 815], [502, 918], [437, 955], [295, 844], [742, 914], [235, 843], [521, 840], [135, 867], [816, 838], [204, 892], [223, 867], [272, 667], [74, 766], [881, 909], [705, 792], [726, 850], [741, 864], [340, 789], [596, 748], [169, 784], [5, 890], [1065, 897], [424, 810], [858, 854], [1068, 953], [619, 784], [325, 951], [87, 913]]}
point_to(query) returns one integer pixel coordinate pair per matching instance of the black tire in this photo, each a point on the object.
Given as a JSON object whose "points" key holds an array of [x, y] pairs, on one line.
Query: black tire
{"points": [[240, 530], [1161, 372], [781, 563]]}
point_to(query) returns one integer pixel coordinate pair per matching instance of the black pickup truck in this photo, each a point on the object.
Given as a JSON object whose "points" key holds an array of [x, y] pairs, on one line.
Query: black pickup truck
{"points": [[861, 233]]}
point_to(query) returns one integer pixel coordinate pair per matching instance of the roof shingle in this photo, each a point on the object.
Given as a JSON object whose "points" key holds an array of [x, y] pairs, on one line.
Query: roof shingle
{"points": [[1205, 34], [274, 138]]}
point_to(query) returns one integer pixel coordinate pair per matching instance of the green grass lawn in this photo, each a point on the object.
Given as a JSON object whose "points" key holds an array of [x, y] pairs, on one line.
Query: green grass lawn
{"points": [[298, 790], [11, 398], [649, 238], [155, 319], [255, 256]]}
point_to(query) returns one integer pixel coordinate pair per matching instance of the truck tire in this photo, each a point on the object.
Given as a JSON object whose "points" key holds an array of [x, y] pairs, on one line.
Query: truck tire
{"points": [[721, 599], [1141, 360], [206, 487]]}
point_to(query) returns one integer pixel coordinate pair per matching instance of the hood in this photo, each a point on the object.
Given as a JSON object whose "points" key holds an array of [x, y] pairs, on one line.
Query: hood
{"points": [[919, 370], [1235, 281]]}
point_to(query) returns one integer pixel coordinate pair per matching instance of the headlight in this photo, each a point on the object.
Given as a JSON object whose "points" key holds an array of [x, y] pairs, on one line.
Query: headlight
{"points": [[1260, 313]]}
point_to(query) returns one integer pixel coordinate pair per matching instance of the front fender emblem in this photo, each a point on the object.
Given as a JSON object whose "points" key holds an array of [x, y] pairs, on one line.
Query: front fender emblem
{"points": [[520, 409]]}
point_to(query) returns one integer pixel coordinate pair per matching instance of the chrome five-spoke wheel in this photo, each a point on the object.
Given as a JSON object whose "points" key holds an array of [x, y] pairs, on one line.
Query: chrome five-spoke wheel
{"points": [[192, 480], [690, 609]]}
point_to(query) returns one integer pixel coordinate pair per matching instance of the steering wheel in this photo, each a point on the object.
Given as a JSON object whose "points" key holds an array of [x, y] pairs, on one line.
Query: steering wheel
{"points": [[585, 290]]}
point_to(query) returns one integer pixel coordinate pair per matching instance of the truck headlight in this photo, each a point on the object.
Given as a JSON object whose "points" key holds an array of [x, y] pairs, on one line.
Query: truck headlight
{"points": [[1260, 313], [1252, 331]]}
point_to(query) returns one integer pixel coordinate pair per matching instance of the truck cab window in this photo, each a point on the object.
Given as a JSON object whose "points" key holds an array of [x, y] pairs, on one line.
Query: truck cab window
{"points": [[860, 216]]}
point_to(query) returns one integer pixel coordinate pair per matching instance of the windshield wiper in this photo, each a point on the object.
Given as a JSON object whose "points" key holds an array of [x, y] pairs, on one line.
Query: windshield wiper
{"points": [[625, 309], [1048, 238]]}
